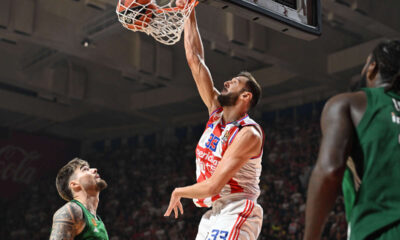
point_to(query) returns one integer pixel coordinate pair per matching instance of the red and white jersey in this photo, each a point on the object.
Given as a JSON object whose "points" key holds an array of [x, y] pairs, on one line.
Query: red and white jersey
{"points": [[211, 148]]}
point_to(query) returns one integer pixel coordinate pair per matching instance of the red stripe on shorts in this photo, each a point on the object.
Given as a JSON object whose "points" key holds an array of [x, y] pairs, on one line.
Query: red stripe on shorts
{"points": [[251, 207], [238, 219]]}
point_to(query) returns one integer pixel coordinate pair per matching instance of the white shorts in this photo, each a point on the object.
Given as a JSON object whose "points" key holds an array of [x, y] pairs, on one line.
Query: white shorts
{"points": [[231, 221]]}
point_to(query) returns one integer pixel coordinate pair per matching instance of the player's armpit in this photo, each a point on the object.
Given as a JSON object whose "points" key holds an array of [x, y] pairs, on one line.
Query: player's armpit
{"points": [[67, 222]]}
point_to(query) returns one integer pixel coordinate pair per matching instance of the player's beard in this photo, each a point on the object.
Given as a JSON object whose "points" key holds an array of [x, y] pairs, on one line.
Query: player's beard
{"points": [[229, 99], [101, 185]]}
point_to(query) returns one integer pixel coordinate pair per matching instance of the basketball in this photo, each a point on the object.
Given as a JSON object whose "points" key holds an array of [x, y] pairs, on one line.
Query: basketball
{"points": [[137, 13]]}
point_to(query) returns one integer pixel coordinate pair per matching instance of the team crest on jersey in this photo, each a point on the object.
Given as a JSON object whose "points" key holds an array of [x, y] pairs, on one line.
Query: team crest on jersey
{"points": [[226, 136], [94, 222]]}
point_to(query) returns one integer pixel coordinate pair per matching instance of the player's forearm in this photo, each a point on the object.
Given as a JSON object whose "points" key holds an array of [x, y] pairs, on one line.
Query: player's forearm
{"points": [[199, 190], [322, 192], [193, 44]]}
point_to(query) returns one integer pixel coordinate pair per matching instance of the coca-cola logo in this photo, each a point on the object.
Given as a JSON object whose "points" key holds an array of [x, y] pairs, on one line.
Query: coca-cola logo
{"points": [[16, 164]]}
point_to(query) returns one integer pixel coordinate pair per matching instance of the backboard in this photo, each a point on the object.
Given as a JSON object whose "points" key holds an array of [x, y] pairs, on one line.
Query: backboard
{"points": [[298, 18]]}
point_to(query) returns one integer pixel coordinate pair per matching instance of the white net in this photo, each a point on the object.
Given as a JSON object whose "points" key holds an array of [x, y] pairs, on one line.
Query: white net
{"points": [[161, 19]]}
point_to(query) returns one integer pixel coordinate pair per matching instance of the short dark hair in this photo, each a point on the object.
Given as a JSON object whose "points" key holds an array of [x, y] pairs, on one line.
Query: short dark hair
{"points": [[64, 176], [387, 57], [253, 87]]}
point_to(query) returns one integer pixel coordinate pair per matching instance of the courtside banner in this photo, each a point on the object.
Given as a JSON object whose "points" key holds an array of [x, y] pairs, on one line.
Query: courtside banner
{"points": [[25, 158]]}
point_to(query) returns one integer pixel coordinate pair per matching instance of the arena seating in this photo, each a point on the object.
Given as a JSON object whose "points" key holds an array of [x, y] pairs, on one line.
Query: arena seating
{"points": [[142, 174]]}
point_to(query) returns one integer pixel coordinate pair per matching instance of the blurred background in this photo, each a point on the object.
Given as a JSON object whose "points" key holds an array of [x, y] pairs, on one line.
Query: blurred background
{"points": [[73, 82]]}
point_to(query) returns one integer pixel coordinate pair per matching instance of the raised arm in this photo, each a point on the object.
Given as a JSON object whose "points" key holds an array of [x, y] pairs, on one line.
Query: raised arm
{"points": [[325, 182], [195, 57], [67, 222]]}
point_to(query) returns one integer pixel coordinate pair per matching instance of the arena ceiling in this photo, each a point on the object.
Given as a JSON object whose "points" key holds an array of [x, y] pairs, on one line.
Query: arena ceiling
{"points": [[69, 69]]}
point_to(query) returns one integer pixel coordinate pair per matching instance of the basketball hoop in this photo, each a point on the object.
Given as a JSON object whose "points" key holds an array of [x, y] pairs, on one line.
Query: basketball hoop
{"points": [[161, 19]]}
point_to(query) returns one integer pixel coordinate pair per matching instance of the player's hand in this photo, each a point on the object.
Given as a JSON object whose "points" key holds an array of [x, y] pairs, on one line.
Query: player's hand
{"points": [[181, 3], [174, 204]]}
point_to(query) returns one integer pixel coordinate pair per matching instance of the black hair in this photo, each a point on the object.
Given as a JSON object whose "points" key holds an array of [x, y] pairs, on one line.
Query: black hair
{"points": [[64, 176], [387, 58], [253, 87]]}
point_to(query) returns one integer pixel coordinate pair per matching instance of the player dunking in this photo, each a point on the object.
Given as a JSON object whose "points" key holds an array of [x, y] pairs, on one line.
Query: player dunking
{"points": [[228, 155], [366, 126], [80, 185]]}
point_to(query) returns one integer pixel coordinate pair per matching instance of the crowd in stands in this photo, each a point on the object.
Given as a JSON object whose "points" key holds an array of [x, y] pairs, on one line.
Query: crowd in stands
{"points": [[141, 178]]}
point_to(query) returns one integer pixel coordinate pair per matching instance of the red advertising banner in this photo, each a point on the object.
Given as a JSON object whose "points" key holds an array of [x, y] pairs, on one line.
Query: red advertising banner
{"points": [[25, 158]]}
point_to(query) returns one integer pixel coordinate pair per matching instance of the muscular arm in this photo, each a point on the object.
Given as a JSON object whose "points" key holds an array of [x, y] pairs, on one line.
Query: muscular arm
{"points": [[246, 144], [67, 222], [337, 134], [195, 57]]}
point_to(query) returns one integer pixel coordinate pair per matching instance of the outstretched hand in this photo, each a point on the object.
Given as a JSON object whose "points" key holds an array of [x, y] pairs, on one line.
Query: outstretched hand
{"points": [[174, 204], [181, 3]]}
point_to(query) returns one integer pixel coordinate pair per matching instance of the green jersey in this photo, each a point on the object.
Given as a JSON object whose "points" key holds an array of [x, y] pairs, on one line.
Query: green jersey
{"points": [[377, 202], [94, 229]]}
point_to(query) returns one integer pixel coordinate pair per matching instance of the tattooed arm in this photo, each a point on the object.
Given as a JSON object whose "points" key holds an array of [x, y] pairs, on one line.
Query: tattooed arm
{"points": [[68, 222]]}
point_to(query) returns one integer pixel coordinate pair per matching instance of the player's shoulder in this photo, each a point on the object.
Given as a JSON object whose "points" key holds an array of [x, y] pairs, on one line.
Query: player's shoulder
{"points": [[70, 211], [347, 97], [345, 100], [250, 133]]}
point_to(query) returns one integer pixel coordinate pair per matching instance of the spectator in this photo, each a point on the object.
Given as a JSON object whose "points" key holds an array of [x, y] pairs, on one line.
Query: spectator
{"points": [[141, 178]]}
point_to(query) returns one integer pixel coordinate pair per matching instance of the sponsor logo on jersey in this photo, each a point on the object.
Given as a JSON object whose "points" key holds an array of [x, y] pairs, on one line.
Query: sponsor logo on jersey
{"points": [[206, 156], [208, 162]]}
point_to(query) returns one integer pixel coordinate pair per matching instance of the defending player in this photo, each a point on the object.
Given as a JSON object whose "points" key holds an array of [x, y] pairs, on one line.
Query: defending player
{"points": [[80, 185], [228, 155], [366, 126]]}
